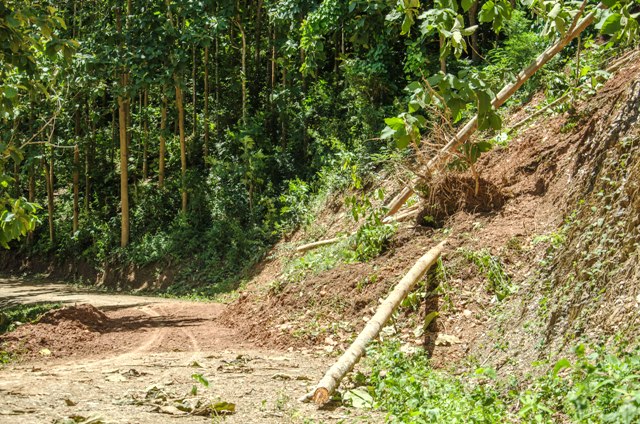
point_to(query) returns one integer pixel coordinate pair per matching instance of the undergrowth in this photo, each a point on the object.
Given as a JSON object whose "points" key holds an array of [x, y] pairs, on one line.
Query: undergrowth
{"points": [[11, 317], [598, 385], [493, 269]]}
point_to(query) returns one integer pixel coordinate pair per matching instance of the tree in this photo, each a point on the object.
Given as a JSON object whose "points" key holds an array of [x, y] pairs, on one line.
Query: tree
{"points": [[29, 33]]}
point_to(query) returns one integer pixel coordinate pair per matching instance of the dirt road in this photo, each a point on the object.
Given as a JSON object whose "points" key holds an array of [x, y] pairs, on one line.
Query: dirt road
{"points": [[140, 368]]}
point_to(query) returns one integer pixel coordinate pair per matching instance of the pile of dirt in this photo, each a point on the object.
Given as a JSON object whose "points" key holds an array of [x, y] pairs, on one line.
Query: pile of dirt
{"points": [[551, 172], [84, 315], [62, 332], [298, 314]]}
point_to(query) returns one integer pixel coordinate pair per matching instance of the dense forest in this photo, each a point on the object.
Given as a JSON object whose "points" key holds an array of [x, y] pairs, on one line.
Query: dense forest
{"points": [[137, 132]]}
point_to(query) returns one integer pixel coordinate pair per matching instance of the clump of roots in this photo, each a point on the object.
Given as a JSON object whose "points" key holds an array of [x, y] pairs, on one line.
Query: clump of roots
{"points": [[452, 192]]}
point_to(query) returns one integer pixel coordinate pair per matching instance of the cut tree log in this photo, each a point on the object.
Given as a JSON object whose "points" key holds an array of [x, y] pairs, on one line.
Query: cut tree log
{"points": [[331, 380], [410, 212], [467, 131], [317, 244], [310, 246], [617, 64]]}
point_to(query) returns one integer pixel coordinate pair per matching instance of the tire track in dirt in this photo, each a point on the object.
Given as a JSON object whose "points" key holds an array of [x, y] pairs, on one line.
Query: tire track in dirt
{"points": [[155, 338], [155, 344]]}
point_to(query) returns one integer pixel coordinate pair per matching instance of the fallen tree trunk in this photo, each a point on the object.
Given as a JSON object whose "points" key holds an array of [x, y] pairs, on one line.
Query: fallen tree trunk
{"points": [[317, 244], [467, 131], [331, 380], [412, 211], [539, 112]]}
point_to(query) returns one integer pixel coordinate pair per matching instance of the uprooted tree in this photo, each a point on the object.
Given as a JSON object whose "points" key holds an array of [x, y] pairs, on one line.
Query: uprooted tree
{"points": [[456, 95]]}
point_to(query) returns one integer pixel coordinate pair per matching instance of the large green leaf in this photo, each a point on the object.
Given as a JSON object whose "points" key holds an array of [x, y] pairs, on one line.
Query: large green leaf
{"points": [[612, 24]]}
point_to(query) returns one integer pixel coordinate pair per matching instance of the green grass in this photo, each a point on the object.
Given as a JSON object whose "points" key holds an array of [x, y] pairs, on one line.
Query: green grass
{"points": [[597, 385], [11, 316]]}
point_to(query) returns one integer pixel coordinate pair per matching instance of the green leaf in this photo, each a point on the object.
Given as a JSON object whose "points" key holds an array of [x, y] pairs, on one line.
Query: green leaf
{"points": [[10, 92], [466, 4], [395, 123], [387, 133], [487, 13], [612, 24], [560, 365], [484, 146], [555, 11], [402, 141], [200, 379], [359, 398], [430, 317], [223, 408]]}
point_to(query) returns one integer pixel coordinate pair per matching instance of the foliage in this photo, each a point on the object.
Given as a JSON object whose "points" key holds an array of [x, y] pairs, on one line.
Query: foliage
{"points": [[492, 267], [599, 386], [373, 235], [411, 391], [296, 94], [12, 315]]}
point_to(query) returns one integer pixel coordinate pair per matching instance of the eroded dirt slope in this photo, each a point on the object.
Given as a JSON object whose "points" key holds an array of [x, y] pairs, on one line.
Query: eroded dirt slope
{"points": [[552, 171]]}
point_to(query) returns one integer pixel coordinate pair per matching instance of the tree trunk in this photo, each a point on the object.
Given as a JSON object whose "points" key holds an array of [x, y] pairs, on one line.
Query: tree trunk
{"points": [[217, 87], [183, 145], [243, 73], [32, 184], [123, 106], [273, 61], [124, 171], [315, 245], [16, 178], [32, 195], [475, 48], [256, 54], [76, 188], [114, 137], [88, 161], [145, 143], [48, 175], [443, 60], [194, 116], [352, 355], [205, 147], [163, 142]]}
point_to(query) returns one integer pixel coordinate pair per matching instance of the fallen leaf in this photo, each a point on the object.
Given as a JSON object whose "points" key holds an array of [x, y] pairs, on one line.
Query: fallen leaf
{"points": [[171, 410], [358, 398], [45, 352], [223, 408]]}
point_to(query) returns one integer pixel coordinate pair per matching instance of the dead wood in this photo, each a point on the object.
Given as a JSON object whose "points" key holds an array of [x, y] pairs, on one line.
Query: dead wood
{"points": [[331, 380]]}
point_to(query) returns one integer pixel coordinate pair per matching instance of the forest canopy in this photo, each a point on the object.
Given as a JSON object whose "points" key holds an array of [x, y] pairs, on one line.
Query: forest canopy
{"points": [[198, 130]]}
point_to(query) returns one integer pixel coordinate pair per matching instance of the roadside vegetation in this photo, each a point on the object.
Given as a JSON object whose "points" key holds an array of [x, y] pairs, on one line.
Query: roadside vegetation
{"points": [[596, 385]]}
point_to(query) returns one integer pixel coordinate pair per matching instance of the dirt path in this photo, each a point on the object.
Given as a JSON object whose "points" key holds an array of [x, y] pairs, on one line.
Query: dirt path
{"points": [[133, 371]]}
